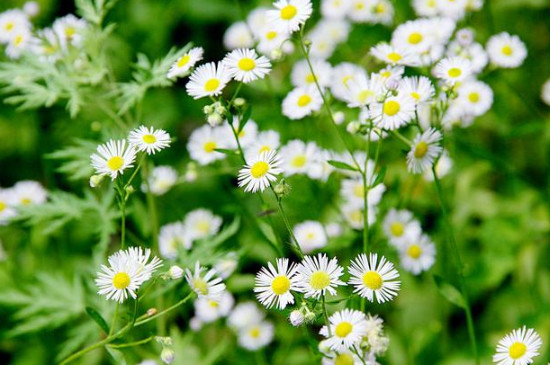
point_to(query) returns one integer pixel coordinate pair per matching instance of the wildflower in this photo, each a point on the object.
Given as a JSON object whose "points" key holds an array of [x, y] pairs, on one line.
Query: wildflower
{"points": [[394, 112], [149, 139], [346, 328], [245, 65], [289, 15], [206, 286], [298, 157], [302, 76], [419, 88], [425, 150], [6, 206], [506, 51], [226, 265], [301, 102], [317, 275], [29, 192], [264, 141], [183, 64], [238, 36], [208, 310], [310, 235], [244, 315], [175, 272], [518, 347], [393, 55], [362, 90], [127, 270], [474, 97], [545, 92], [113, 158], [452, 69], [256, 335], [442, 167], [13, 22], [274, 285], [296, 318], [342, 75], [171, 237], [70, 30], [202, 223], [161, 179], [335, 9], [208, 80], [374, 279], [400, 227], [418, 254], [203, 143], [258, 173]]}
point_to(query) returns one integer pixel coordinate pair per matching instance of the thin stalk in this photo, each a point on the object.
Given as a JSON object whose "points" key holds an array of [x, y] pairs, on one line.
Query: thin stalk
{"points": [[296, 245], [402, 138], [144, 320], [113, 323], [325, 313], [354, 350], [366, 187], [459, 265], [131, 344]]}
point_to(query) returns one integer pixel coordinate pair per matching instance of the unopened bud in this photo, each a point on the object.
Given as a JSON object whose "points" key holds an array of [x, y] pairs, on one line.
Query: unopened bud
{"points": [[214, 119], [95, 180], [309, 317], [307, 42], [282, 189], [167, 355], [208, 109], [239, 102], [130, 190], [151, 312], [219, 108], [164, 341], [465, 37], [276, 54], [339, 117], [296, 318], [353, 127], [175, 272], [31, 8]]}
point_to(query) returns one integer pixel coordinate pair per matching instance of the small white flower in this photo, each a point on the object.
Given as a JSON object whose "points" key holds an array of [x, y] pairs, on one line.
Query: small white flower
{"points": [[475, 98], [296, 318], [342, 75], [394, 112], [28, 192], [113, 158], [244, 315], [317, 275], [172, 237], [185, 63], [70, 30], [161, 179], [274, 285], [204, 141], [518, 347], [289, 15], [207, 286], [238, 36], [264, 141], [202, 223], [374, 279], [452, 69], [175, 272], [394, 55], [301, 75], [208, 310], [419, 88], [400, 227], [346, 329], [425, 150], [260, 172], [545, 92], [208, 80], [310, 235], [301, 102], [256, 335], [7, 204], [506, 51], [149, 139], [418, 254], [245, 65], [12, 22]]}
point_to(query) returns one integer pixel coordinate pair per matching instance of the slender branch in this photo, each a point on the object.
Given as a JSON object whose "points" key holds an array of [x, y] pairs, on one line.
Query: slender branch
{"points": [[294, 240], [113, 323], [139, 321], [131, 344]]}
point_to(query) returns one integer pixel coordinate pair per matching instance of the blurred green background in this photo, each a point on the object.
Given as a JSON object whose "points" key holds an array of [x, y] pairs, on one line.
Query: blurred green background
{"points": [[499, 189]]}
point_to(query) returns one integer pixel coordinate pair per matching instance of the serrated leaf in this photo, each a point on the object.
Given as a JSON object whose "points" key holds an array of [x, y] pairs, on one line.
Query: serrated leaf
{"points": [[98, 319], [342, 165], [449, 292]]}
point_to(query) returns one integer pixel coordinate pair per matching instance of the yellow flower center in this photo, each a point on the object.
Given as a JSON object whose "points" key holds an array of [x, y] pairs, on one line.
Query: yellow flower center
{"points": [[254, 332], [149, 139], [319, 280], [288, 12], [310, 78], [304, 100], [380, 8], [344, 359], [364, 95], [358, 190], [346, 79], [391, 107], [473, 97], [17, 40], [415, 95], [359, 5], [421, 149], [259, 169], [280, 285], [3, 206], [115, 163], [121, 280], [507, 50], [211, 85], [414, 251], [394, 57], [271, 34], [385, 74], [517, 350], [213, 303], [265, 148], [210, 146], [299, 161], [431, 3], [415, 38], [184, 60], [246, 64], [200, 286], [397, 229], [9, 26], [70, 32], [343, 329], [454, 72], [26, 201], [356, 216], [203, 226], [372, 280]]}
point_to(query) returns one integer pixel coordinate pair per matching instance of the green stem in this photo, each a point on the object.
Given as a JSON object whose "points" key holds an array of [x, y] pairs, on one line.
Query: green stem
{"points": [[354, 350], [294, 240], [144, 319], [131, 344], [402, 138], [113, 323], [365, 199], [325, 313], [459, 265], [236, 93]]}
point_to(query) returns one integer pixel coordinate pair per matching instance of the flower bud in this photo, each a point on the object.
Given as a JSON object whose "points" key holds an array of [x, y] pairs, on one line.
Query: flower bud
{"points": [[164, 341], [276, 54], [31, 8], [309, 317], [208, 109], [167, 355], [130, 190], [151, 312], [239, 102], [465, 37], [353, 127], [219, 108], [296, 318], [175, 272], [95, 180], [339, 117], [214, 119], [282, 189]]}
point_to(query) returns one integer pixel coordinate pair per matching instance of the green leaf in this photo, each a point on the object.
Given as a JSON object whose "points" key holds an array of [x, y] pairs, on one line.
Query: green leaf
{"points": [[116, 355], [226, 151], [451, 293], [379, 177], [245, 117], [342, 165], [98, 319]]}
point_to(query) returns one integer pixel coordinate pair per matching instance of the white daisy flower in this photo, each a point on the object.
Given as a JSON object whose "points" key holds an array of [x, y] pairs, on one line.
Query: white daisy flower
{"points": [[382, 12], [172, 236], [47, 45], [208, 310], [452, 69], [518, 347], [346, 329], [298, 156], [325, 37], [426, 8], [161, 179], [335, 9], [264, 141], [426, 148], [149, 139], [394, 112], [289, 15], [361, 11], [362, 90], [245, 65], [203, 143], [225, 266], [420, 88], [247, 134], [274, 285], [22, 41], [474, 97], [301, 102], [70, 30], [127, 270], [474, 52], [310, 235], [183, 64], [400, 227], [394, 55], [202, 223], [442, 167], [342, 75], [390, 74], [256, 336], [208, 80], [207, 286], [506, 51], [317, 275], [454, 9], [7, 210], [245, 314], [374, 279], [238, 35], [260, 172], [113, 158], [414, 35], [28, 192], [301, 75], [256, 20], [273, 40], [353, 192], [354, 215], [12, 22], [418, 255]]}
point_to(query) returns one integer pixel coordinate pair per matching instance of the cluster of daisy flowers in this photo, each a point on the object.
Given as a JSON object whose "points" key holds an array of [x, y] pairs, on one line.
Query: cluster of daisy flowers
{"points": [[116, 156], [49, 44], [23, 193]]}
